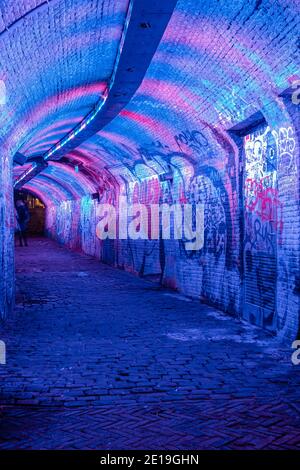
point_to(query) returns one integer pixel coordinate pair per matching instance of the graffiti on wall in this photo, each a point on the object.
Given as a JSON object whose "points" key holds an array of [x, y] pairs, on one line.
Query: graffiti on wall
{"points": [[263, 207], [207, 187], [200, 168], [196, 141]]}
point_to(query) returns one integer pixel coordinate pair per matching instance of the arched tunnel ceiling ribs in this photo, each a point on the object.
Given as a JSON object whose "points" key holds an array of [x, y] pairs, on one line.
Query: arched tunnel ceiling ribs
{"points": [[217, 64]]}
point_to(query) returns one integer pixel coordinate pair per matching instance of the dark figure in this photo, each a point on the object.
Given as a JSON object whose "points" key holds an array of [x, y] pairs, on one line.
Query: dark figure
{"points": [[23, 218]]}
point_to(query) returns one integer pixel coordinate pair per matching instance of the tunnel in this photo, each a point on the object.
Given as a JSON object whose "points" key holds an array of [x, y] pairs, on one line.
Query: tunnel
{"points": [[156, 148]]}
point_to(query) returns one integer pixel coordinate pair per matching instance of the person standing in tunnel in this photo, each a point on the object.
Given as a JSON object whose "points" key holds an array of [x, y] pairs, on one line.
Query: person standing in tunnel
{"points": [[23, 217]]}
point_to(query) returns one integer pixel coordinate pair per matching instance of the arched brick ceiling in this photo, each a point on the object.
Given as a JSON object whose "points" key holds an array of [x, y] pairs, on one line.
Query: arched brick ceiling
{"points": [[218, 63]]}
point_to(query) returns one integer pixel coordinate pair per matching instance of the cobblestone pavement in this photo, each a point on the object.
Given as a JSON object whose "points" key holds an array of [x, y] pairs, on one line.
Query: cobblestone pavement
{"points": [[97, 358]]}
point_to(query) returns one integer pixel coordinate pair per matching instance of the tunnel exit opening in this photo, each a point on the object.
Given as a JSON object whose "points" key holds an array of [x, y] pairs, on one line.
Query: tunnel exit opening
{"points": [[260, 220]]}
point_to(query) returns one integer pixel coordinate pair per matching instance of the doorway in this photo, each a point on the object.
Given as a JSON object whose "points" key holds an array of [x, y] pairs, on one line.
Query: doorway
{"points": [[261, 220]]}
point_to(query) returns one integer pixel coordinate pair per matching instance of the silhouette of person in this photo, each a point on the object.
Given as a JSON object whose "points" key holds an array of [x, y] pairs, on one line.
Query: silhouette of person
{"points": [[23, 218]]}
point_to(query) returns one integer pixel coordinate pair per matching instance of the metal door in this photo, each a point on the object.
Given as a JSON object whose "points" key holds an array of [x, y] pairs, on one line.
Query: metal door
{"points": [[262, 215]]}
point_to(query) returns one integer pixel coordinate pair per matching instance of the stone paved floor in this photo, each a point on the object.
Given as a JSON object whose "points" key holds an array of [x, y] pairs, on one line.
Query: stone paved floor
{"points": [[97, 358]]}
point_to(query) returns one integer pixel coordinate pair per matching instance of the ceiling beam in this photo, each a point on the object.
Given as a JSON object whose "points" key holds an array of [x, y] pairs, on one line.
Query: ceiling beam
{"points": [[145, 25]]}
